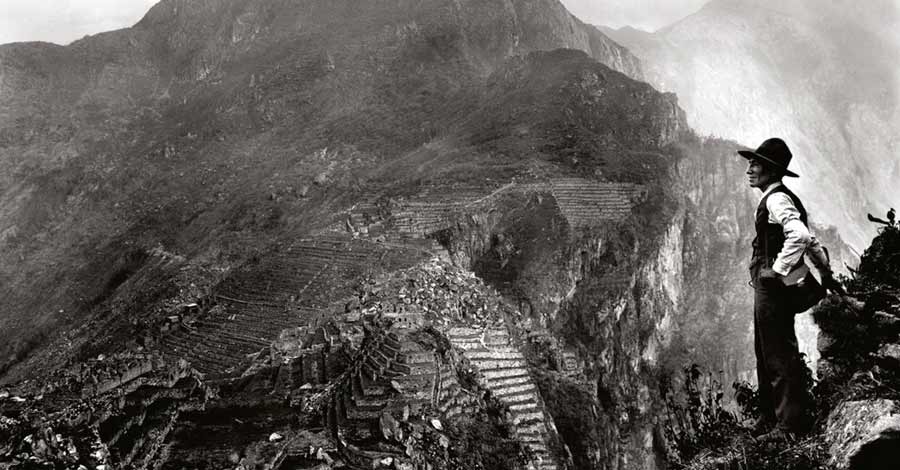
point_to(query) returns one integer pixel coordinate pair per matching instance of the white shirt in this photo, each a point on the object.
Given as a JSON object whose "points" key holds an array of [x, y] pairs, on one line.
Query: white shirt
{"points": [[797, 239]]}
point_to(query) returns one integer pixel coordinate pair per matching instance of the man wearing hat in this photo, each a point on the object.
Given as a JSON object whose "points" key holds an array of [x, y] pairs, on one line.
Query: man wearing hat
{"points": [[782, 238]]}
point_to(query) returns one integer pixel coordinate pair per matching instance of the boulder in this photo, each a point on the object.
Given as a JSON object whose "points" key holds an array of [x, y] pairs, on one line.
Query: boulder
{"points": [[864, 434], [889, 356], [886, 322]]}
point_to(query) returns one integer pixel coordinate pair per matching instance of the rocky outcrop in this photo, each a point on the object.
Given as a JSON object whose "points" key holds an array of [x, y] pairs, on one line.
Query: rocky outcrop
{"points": [[864, 434], [860, 371], [547, 25], [856, 422], [126, 419]]}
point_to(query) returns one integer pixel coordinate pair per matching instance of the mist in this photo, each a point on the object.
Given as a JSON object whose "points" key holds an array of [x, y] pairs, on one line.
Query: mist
{"points": [[648, 15]]}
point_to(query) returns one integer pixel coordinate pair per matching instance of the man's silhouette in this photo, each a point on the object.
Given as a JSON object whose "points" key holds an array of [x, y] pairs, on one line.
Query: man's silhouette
{"points": [[782, 238]]}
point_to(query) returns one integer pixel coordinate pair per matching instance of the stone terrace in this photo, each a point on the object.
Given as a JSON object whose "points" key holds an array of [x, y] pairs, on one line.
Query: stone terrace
{"points": [[583, 202], [291, 289], [433, 209], [303, 272], [504, 372], [586, 203]]}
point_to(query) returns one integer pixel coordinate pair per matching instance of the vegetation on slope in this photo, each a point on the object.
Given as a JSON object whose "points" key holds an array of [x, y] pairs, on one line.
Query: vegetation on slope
{"points": [[212, 132]]}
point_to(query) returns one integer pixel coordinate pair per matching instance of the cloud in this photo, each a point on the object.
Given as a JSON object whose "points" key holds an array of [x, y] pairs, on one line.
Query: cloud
{"points": [[63, 21]]}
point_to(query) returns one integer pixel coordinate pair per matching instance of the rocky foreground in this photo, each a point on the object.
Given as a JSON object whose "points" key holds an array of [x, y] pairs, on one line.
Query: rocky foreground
{"points": [[858, 391]]}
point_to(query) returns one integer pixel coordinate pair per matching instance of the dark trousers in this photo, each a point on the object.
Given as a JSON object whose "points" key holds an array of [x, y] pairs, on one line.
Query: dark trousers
{"points": [[780, 370]]}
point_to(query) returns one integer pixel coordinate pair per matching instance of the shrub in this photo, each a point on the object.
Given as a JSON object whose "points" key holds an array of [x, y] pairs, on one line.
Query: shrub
{"points": [[696, 418]]}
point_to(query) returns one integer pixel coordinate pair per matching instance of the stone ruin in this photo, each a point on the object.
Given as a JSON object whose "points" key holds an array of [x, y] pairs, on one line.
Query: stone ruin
{"points": [[583, 203], [371, 381], [309, 360], [112, 411]]}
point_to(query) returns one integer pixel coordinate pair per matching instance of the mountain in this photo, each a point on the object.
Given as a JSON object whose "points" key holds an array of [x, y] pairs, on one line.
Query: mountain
{"points": [[822, 76], [296, 234], [208, 120]]}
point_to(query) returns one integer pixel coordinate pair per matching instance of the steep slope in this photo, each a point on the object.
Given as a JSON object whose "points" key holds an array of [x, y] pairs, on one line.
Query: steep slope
{"points": [[211, 128], [822, 76], [580, 226]]}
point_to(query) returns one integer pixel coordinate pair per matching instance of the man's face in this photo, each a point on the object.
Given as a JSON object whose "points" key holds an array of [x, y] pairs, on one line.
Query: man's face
{"points": [[759, 175]]}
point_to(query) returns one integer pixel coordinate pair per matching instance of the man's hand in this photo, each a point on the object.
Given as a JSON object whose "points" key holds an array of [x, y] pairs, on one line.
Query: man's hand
{"points": [[830, 283], [769, 278]]}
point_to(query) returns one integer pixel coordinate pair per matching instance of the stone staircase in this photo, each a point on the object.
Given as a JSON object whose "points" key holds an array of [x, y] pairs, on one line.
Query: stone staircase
{"points": [[505, 373]]}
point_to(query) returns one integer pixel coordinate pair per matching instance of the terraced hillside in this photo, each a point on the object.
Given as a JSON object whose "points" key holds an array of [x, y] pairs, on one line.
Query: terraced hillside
{"points": [[211, 131], [312, 207], [583, 202]]}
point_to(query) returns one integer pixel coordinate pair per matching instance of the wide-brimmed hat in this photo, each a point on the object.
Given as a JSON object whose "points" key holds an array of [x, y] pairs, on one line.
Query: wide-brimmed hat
{"points": [[773, 152]]}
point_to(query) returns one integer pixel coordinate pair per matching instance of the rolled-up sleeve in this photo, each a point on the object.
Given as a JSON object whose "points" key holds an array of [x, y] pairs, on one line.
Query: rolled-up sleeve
{"points": [[818, 256], [796, 235]]}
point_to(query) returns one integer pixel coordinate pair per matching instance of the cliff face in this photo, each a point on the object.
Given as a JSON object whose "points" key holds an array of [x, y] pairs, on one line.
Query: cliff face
{"points": [[819, 76], [349, 222], [616, 306]]}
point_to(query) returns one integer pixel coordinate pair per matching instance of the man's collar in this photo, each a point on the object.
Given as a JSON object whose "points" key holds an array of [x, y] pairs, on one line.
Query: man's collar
{"points": [[770, 188]]}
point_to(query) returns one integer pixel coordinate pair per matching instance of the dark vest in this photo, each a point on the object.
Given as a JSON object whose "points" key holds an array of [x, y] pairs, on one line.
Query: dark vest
{"points": [[770, 237]]}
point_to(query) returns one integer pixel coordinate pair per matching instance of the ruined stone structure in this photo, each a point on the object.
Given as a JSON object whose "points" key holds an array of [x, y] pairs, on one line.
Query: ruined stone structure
{"points": [[254, 305], [119, 410], [394, 374], [584, 203]]}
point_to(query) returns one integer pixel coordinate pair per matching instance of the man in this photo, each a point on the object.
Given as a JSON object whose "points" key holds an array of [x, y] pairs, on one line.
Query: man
{"points": [[782, 238]]}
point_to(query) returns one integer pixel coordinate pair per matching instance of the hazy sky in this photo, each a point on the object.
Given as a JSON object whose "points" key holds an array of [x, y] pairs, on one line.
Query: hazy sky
{"points": [[648, 15], [63, 21]]}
